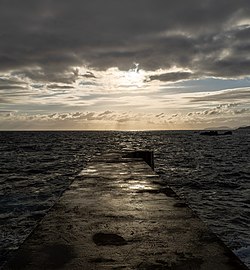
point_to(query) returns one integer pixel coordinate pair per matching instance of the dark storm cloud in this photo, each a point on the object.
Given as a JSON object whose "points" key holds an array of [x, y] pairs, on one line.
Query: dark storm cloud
{"points": [[57, 86], [48, 75], [89, 74], [172, 76], [5, 87], [56, 35], [9, 81]]}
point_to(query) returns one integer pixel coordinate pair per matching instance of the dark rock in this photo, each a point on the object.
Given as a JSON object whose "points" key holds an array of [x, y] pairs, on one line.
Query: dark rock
{"points": [[210, 133], [229, 132], [216, 133], [245, 127]]}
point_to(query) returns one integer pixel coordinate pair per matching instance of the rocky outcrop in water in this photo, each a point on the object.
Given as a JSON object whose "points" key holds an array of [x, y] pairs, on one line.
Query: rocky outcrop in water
{"points": [[215, 133], [246, 127]]}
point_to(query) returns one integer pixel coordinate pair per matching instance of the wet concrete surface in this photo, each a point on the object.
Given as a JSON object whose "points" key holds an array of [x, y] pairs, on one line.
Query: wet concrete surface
{"points": [[118, 215]]}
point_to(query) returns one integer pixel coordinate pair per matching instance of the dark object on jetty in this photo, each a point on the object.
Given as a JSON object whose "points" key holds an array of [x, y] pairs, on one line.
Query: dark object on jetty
{"points": [[216, 133]]}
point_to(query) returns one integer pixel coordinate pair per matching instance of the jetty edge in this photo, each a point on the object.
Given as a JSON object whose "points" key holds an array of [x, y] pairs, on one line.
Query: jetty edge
{"points": [[118, 214]]}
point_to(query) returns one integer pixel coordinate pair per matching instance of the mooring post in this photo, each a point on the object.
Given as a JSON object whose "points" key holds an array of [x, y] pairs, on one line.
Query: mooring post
{"points": [[146, 155]]}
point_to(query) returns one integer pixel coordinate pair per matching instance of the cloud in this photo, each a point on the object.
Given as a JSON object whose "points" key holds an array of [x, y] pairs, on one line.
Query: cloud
{"points": [[160, 115], [61, 56], [218, 110], [58, 86], [223, 110], [242, 111], [10, 81], [240, 94], [89, 74], [58, 35], [39, 74], [4, 100], [6, 87], [76, 120], [232, 114], [171, 76]]}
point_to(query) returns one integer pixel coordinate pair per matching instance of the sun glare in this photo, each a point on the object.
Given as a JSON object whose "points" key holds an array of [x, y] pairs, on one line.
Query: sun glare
{"points": [[134, 77]]}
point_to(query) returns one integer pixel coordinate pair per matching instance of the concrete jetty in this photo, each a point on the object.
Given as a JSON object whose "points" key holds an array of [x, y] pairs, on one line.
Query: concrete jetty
{"points": [[117, 214]]}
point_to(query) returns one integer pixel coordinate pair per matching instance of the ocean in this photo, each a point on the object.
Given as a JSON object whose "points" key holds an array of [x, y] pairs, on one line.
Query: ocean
{"points": [[212, 173]]}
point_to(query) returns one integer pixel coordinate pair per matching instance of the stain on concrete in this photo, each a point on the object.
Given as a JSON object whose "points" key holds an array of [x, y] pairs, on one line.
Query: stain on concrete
{"points": [[57, 255], [108, 239], [120, 217], [101, 260], [187, 264], [54, 256], [151, 266], [20, 261]]}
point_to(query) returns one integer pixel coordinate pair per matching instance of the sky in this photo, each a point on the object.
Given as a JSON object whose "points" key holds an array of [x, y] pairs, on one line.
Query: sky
{"points": [[124, 65]]}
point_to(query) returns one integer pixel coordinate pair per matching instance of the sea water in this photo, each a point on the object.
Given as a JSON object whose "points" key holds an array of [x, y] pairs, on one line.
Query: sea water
{"points": [[212, 173]]}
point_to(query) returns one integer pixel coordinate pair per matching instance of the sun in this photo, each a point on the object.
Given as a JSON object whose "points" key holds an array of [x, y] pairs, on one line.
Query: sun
{"points": [[134, 77]]}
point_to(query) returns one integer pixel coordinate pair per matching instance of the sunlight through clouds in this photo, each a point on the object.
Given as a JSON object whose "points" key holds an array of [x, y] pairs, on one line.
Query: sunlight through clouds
{"points": [[127, 58]]}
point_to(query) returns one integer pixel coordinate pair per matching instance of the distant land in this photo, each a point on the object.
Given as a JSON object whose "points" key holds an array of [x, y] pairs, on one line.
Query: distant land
{"points": [[246, 127], [227, 128], [218, 128]]}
